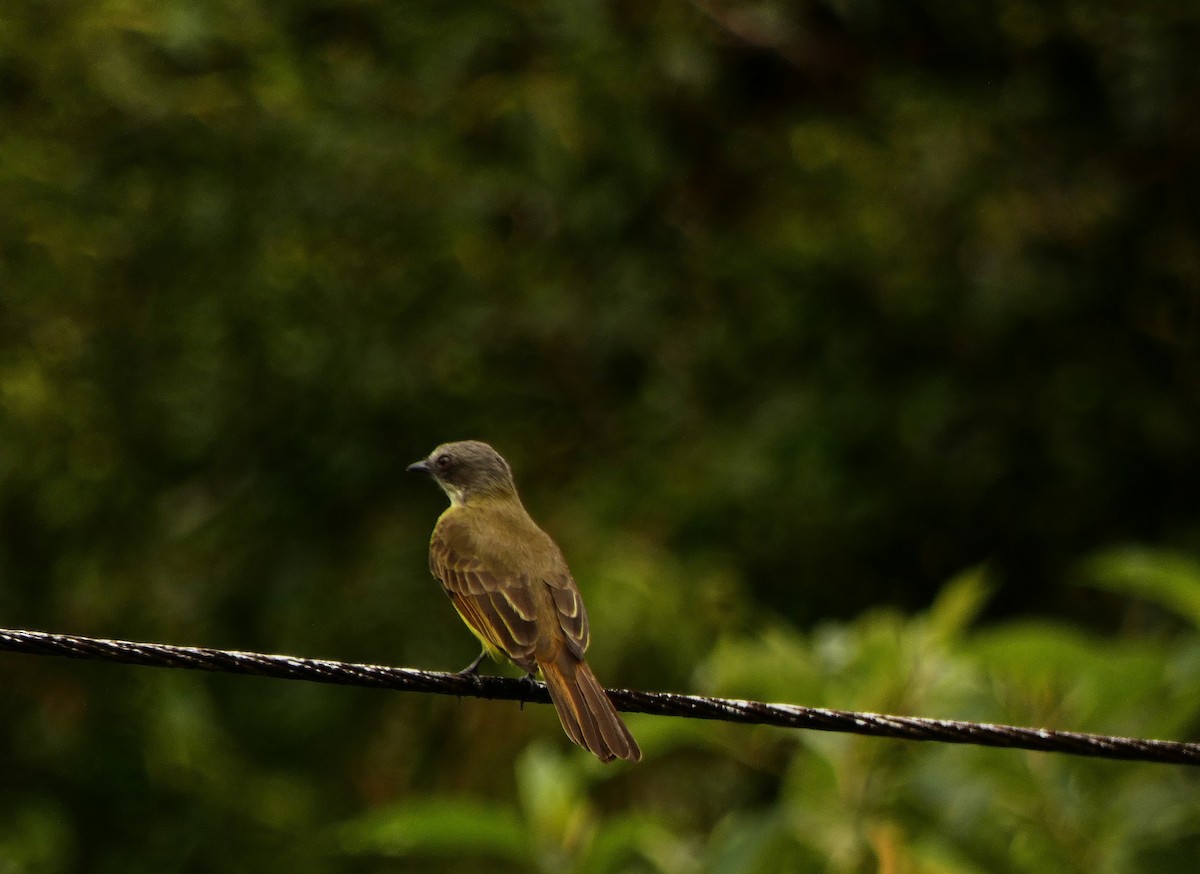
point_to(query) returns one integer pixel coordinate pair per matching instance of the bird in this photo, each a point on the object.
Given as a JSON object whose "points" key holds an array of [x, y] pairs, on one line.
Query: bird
{"points": [[510, 584]]}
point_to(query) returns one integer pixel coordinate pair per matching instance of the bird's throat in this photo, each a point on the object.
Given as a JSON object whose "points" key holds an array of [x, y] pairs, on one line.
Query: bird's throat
{"points": [[456, 494]]}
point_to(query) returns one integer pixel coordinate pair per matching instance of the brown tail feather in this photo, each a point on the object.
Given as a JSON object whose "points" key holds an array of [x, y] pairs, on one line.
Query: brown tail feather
{"points": [[587, 716]]}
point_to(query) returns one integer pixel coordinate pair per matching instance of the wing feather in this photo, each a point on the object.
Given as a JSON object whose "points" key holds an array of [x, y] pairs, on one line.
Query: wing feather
{"points": [[501, 610], [572, 617]]}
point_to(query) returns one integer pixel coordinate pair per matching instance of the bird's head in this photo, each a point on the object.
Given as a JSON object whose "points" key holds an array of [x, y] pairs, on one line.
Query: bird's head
{"points": [[468, 469]]}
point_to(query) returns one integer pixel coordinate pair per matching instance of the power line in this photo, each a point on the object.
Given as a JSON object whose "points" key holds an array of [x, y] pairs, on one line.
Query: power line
{"points": [[659, 703]]}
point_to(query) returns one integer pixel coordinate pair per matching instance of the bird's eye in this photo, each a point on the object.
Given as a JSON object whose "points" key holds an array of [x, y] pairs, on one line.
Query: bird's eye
{"points": [[443, 462]]}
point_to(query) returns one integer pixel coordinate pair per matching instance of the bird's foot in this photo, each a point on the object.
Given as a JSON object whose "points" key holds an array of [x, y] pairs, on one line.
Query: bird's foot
{"points": [[472, 670], [529, 684]]}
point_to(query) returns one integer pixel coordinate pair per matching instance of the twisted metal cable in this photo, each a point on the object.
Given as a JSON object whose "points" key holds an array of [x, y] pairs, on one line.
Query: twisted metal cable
{"points": [[658, 703]]}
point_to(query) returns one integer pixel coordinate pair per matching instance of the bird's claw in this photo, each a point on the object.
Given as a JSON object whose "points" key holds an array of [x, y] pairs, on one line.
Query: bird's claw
{"points": [[528, 684], [471, 671]]}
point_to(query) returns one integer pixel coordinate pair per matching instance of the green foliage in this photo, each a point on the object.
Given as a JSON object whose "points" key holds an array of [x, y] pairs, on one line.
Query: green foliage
{"points": [[1170, 580], [737, 799], [785, 314], [441, 826]]}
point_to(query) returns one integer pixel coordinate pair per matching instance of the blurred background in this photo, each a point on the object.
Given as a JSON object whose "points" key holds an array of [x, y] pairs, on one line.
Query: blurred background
{"points": [[849, 350]]}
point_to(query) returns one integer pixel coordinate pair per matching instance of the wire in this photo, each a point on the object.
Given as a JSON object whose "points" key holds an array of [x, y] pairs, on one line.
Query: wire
{"points": [[658, 703]]}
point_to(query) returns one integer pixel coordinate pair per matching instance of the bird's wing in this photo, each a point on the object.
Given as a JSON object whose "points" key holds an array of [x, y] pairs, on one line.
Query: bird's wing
{"points": [[500, 608], [572, 617]]}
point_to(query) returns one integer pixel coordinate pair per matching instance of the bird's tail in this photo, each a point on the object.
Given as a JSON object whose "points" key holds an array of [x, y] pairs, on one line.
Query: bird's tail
{"points": [[587, 716]]}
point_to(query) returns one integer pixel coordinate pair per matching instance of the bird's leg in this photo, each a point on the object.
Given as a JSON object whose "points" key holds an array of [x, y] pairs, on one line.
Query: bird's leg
{"points": [[472, 670], [529, 683]]}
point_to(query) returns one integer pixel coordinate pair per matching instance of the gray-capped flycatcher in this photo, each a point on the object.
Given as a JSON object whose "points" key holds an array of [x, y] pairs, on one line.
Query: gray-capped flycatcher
{"points": [[510, 584]]}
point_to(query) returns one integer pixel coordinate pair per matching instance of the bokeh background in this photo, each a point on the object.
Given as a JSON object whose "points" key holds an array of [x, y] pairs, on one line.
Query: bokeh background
{"points": [[848, 349]]}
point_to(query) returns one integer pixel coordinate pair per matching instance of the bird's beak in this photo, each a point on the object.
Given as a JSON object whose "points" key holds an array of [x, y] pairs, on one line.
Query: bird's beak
{"points": [[421, 466]]}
